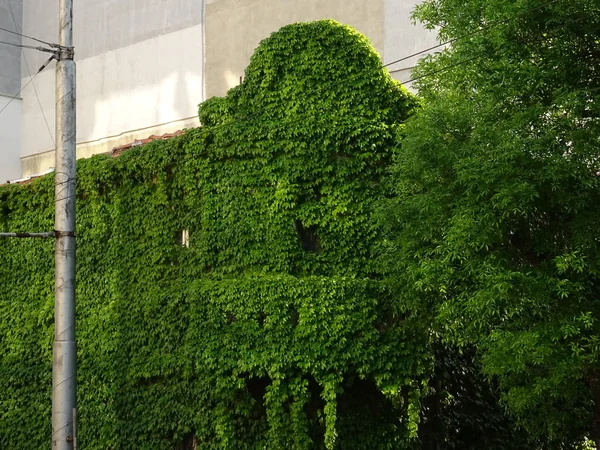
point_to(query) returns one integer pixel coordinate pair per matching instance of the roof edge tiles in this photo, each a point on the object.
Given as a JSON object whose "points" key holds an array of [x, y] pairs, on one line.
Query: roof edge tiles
{"points": [[114, 153]]}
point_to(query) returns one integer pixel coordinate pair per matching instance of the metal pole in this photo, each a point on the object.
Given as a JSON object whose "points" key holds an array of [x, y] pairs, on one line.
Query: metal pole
{"points": [[64, 364]]}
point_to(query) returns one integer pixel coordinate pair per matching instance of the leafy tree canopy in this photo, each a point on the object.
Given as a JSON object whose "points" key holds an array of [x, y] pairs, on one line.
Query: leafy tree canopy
{"points": [[494, 235]]}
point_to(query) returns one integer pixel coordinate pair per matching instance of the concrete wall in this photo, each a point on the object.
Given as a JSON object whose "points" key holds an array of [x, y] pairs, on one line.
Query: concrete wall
{"points": [[403, 38], [10, 139], [10, 83], [10, 73], [144, 65], [139, 72], [234, 29]]}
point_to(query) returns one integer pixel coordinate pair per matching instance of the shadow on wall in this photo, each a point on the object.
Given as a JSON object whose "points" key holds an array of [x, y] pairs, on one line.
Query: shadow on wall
{"points": [[10, 138]]}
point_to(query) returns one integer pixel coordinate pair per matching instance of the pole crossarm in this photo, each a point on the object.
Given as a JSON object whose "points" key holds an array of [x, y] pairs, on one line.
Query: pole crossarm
{"points": [[50, 234], [46, 235]]}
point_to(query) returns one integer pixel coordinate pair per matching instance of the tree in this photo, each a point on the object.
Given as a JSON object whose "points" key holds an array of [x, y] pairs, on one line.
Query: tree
{"points": [[494, 231]]}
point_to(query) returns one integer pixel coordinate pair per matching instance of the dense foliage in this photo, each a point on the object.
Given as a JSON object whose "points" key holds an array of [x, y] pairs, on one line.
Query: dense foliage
{"points": [[231, 288], [494, 231], [270, 327], [460, 408]]}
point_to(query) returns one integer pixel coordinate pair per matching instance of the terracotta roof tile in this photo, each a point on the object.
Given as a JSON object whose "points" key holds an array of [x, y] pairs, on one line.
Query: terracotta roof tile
{"points": [[114, 153], [120, 149]]}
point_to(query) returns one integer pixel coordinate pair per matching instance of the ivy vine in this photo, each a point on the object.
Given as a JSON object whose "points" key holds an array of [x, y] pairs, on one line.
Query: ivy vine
{"points": [[270, 328]]}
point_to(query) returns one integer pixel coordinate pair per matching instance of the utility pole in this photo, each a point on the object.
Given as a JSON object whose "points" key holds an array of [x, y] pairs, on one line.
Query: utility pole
{"points": [[64, 362], [64, 352]]}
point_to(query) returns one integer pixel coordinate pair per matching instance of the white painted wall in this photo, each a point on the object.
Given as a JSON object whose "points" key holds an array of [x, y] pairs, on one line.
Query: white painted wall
{"points": [[139, 72], [10, 81], [143, 66], [10, 56], [403, 37], [156, 81], [10, 139], [143, 85]]}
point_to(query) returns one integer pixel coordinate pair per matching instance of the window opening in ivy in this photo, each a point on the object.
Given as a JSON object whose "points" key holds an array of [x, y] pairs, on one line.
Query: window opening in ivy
{"points": [[183, 238], [308, 236]]}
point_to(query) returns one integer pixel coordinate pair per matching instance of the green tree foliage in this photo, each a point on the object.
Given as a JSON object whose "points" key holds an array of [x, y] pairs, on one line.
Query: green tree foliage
{"points": [[494, 232], [272, 329]]}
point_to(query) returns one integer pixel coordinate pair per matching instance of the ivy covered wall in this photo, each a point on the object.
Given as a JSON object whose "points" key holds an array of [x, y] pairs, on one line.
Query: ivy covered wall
{"points": [[270, 327]]}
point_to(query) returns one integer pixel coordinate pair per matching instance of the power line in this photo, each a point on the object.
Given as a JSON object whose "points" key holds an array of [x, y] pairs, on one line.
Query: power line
{"points": [[29, 73], [420, 52], [27, 37], [472, 33], [27, 84], [16, 45], [39, 49], [444, 69]]}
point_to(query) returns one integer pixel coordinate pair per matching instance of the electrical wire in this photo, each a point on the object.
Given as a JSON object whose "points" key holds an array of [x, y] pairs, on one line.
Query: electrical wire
{"points": [[444, 69], [443, 44], [25, 36], [20, 45], [472, 33], [27, 84], [29, 73]]}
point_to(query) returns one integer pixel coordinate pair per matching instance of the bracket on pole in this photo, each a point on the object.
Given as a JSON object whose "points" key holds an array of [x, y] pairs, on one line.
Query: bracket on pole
{"points": [[59, 234], [62, 53], [59, 52]]}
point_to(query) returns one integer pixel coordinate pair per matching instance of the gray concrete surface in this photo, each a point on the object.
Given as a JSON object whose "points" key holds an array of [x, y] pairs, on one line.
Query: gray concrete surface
{"points": [[144, 65], [10, 83], [10, 57], [234, 28]]}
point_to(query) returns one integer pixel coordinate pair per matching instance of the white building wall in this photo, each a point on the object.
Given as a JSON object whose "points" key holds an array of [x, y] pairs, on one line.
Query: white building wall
{"points": [[139, 72], [10, 82], [10, 139], [234, 28], [403, 38], [143, 66]]}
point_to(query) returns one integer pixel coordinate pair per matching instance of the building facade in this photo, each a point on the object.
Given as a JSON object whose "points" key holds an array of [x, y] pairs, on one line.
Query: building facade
{"points": [[143, 66], [10, 84]]}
